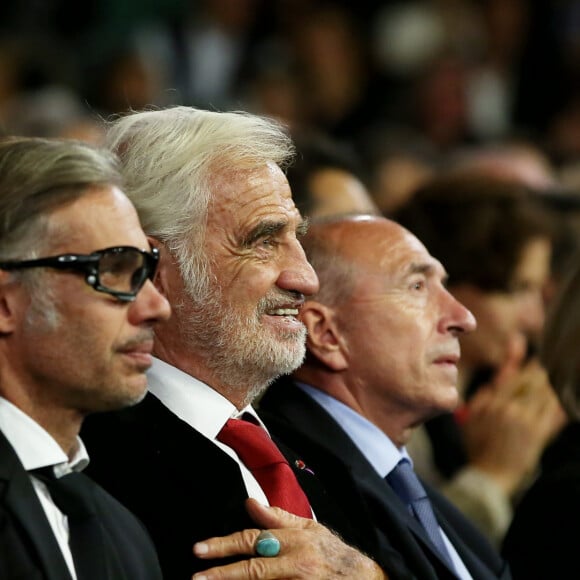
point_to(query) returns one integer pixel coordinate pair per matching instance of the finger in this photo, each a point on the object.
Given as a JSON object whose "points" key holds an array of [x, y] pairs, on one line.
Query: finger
{"points": [[515, 355], [239, 543], [552, 415], [526, 381], [273, 517], [535, 374], [534, 386], [557, 420], [253, 569]]}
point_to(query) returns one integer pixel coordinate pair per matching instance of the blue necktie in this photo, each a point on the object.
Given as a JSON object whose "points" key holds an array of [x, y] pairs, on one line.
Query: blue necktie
{"points": [[408, 487]]}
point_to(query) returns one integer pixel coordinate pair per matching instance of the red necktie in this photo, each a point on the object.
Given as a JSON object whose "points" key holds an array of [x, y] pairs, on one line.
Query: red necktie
{"points": [[261, 456]]}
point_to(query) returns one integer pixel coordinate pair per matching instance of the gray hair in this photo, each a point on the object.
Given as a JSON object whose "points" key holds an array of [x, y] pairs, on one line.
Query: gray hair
{"points": [[559, 349], [169, 157], [39, 175]]}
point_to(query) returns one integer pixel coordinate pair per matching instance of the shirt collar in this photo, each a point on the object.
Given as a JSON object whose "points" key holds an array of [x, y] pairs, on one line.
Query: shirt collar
{"points": [[191, 400], [377, 448], [34, 446]]}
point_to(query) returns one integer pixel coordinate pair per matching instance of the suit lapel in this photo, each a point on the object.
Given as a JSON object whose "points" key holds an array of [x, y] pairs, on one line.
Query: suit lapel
{"points": [[21, 501], [174, 439]]}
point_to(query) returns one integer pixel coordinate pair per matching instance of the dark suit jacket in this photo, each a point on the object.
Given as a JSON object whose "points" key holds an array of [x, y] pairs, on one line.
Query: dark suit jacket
{"points": [[28, 547], [543, 540], [181, 485], [302, 423]]}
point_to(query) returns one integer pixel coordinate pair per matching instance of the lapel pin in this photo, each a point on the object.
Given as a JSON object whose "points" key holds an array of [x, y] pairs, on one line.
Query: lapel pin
{"points": [[302, 466]]}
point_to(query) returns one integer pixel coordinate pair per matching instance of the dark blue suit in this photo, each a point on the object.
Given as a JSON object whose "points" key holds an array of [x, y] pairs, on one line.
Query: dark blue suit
{"points": [[302, 423]]}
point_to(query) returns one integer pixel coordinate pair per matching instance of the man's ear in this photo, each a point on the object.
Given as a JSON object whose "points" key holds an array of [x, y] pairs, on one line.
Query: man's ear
{"points": [[10, 304], [165, 260], [324, 341]]}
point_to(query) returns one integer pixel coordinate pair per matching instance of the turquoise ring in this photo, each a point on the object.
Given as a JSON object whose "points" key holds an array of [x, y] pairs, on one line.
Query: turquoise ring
{"points": [[267, 545]]}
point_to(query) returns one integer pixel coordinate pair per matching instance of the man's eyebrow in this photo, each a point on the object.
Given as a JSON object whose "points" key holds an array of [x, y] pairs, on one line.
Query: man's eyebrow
{"points": [[269, 228], [263, 229], [427, 269], [423, 268]]}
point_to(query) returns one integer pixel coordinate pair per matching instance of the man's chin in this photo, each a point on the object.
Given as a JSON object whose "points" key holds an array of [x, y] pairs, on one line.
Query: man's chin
{"points": [[129, 395], [449, 401], [294, 358], [280, 361]]}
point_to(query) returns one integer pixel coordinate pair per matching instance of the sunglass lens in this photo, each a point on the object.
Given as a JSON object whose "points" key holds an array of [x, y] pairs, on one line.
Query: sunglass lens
{"points": [[121, 269]]}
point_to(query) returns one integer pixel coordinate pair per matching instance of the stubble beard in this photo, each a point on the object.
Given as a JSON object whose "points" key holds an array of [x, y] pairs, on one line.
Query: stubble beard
{"points": [[110, 388], [239, 350]]}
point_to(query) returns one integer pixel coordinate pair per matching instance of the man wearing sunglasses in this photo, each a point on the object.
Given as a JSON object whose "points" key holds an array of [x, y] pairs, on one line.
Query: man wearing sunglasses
{"points": [[77, 308]]}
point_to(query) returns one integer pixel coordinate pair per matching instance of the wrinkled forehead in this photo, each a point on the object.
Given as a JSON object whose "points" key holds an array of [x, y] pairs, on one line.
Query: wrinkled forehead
{"points": [[246, 196], [230, 182]]}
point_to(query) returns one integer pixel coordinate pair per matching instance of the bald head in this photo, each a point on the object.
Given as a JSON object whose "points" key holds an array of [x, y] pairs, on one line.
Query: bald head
{"points": [[383, 331], [342, 247]]}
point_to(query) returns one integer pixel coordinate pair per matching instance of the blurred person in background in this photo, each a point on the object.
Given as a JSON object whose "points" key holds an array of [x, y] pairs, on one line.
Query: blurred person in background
{"points": [[526, 162], [542, 541], [519, 160], [326, 178], [53, 112], [397, 161], [341, 91]]}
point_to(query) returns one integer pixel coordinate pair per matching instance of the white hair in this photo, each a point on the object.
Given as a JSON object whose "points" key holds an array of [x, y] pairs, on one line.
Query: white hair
{"points": [[169, 157]]}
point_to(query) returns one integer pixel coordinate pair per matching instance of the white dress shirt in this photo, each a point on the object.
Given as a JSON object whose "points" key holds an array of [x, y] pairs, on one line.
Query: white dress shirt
{"points": [[36, 448], [377, 448]]}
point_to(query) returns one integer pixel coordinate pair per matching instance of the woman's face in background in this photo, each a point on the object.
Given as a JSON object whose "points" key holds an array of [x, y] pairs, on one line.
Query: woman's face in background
{"points": [[506, 317]]}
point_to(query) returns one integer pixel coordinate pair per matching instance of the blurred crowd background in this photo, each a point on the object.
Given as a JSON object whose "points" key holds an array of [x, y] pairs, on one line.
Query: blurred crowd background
{"points": [[408, 85], [398, 93]]}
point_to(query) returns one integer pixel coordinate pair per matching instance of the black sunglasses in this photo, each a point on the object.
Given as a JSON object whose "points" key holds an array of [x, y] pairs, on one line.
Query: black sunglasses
{"points": [[121, 271]]}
